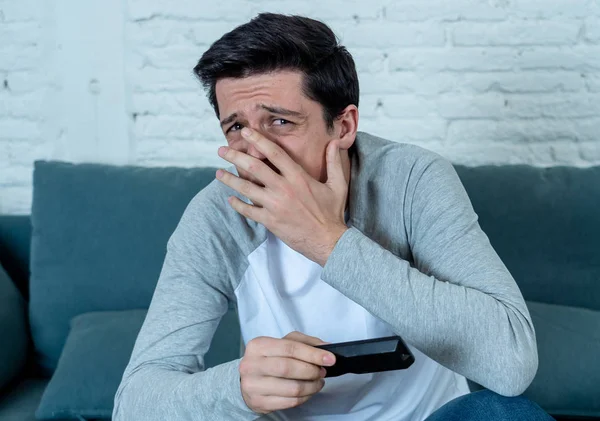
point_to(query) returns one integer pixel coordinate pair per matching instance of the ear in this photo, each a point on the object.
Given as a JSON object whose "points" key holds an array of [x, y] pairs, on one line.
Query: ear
{"points": [[345, 126]]}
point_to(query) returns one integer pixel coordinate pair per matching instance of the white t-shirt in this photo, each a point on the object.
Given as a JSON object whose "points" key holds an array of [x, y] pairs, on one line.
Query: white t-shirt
{"points": [[282, 292]]}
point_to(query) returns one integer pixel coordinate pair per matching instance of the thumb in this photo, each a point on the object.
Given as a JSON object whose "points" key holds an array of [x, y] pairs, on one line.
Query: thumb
{"points": [[335, 171], [305, 339]]}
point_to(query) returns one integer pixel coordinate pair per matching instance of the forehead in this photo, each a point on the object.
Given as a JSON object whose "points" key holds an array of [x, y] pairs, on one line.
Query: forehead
{"points": [[282, 88]]}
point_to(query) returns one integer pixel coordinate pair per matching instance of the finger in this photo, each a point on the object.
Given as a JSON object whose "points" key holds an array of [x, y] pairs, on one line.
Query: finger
{"points": [[305, 339], [249, 211], [274, 386], [252, 165], [335, 170], [273, 152], [282, 367], [270, 347], [246, 188]]}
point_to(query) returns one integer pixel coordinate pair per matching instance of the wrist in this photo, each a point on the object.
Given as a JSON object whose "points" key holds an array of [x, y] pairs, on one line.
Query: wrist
{"points": [[332, 238]]}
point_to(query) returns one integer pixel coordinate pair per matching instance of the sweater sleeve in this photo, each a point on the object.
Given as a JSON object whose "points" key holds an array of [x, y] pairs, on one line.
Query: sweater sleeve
{"points": [[166, 378], [455, 301]]}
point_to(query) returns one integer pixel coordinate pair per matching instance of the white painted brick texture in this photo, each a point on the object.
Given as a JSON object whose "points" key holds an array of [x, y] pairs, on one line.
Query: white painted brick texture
{"points": [[479, 81]]}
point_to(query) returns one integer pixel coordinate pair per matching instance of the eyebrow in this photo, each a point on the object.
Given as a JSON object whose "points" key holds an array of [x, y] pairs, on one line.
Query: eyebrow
{"points": [[274, 110]]}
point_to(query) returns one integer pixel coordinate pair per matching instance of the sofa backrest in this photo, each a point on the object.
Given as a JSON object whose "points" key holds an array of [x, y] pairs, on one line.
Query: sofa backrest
{"points": [[545, 225], [99, 236]]}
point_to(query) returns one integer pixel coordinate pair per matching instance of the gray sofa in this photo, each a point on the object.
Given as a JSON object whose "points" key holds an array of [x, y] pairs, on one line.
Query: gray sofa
{"points": [[79, 272]]}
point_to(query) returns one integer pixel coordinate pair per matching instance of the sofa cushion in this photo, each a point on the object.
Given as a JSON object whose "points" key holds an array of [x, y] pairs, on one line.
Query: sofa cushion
{"points": [[95, 355], [13, 330], [568, 378], [544, 224], [99, 235]]}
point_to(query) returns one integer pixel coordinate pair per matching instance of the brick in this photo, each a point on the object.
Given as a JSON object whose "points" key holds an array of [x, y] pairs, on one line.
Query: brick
{"points": [[408, 106], [368, 60], [553, 106], [543, 9], [524, 82], [369, 106], [456, 59], [521, 33], [173, 103], [160, 32], [178, 127], [23, 82], [590, 152], [406, 130], [150, 79], [592, 30], [15, 175], [22, 153], [189, 10], [18, 58], [180, 153], [516, 131], [479, 106], [27, 106], [171, 57], [376, 35], [581, 58], [593, 82], [539, 154], [205, 33], [324, 10], [436, 83], [20, 11], [18, 129], [15, 200], [20, 34], [446, 11]]}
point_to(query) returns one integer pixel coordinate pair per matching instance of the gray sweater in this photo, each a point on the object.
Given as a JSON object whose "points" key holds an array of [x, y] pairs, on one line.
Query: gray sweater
{"points": [[414, 256]]}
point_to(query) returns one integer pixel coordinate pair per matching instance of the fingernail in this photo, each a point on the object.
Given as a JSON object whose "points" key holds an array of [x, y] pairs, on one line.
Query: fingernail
{"points": [[219, 173], [329, 359], [246, 132], [222, 151], [323, 372]]}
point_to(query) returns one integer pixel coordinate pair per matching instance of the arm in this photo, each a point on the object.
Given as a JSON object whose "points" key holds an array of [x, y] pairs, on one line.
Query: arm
{"points": [[456, 302], [165, 378]]}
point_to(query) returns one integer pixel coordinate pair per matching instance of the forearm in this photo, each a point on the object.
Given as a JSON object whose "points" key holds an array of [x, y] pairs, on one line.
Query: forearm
{"points": [[153, 392], [481, 331]]}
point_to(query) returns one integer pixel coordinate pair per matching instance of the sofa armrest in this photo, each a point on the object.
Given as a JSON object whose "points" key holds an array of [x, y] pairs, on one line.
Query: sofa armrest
{"points": [[13, 330]]}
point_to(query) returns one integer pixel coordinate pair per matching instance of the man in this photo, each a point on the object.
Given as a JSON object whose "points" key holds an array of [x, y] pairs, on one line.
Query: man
{"points": [[319, 233]]}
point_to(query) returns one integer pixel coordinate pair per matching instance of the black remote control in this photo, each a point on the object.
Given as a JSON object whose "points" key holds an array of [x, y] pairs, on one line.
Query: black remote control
{"points": [[369, 356]]}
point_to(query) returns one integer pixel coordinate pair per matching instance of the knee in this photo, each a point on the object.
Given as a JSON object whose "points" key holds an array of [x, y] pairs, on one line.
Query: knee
{"points": [[487, 405]]}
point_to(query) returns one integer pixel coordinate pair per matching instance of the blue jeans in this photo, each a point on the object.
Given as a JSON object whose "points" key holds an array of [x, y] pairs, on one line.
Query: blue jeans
{"points": [[485, 405]]}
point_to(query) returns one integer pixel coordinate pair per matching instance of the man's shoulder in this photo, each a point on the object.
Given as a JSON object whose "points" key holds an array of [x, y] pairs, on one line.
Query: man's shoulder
{"points": [[389, 155], [209, 215]]}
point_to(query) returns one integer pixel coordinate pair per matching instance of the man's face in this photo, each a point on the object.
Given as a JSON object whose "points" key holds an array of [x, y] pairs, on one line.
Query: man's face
{"points": [[274, 105]]}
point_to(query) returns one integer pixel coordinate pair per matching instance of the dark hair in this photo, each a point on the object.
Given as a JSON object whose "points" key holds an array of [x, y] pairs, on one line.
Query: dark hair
{"points": [[272, 42]]}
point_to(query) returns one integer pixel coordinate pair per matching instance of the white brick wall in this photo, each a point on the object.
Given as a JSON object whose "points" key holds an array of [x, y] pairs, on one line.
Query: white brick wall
{"points": [[479, 81]]}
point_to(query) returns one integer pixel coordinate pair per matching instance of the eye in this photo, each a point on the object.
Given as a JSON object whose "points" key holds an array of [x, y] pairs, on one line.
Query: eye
{"points": [[235, 128], [281, 122]]}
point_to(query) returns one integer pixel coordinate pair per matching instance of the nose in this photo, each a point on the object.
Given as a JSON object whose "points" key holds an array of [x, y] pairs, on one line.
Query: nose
{"points": [[252, 151]]}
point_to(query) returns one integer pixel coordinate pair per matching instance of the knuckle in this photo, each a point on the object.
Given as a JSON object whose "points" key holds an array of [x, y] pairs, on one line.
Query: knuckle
{"points": [[244, 367], [289, 349], [297, 389], [246, 385], [254, 344], [245, 188], [284, 369], [296, 401]]}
